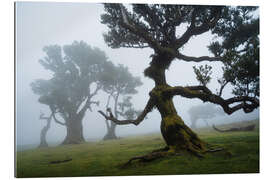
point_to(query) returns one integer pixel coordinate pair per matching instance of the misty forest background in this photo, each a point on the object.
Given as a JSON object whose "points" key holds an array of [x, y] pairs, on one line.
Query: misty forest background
{"points": [[43, 24]]}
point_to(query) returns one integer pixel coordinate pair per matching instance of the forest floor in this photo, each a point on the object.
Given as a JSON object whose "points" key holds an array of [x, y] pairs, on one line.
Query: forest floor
{"points": [[104, 158]]}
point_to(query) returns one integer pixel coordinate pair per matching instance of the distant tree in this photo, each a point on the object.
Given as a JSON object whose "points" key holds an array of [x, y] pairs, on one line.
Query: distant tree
{"points": [[203, 112], [118, 82], [155, 26], [43, 133], [75, 81]]}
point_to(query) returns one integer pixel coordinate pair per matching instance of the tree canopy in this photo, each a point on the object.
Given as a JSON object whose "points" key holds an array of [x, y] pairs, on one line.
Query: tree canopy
{"points": [[156, 25], [76, 70], [118, 83]]}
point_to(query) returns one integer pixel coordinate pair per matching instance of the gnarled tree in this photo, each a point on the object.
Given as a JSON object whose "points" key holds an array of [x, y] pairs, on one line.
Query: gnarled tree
{"points": [[118, 82], [155, 26], [44, 130], [69, 92]]}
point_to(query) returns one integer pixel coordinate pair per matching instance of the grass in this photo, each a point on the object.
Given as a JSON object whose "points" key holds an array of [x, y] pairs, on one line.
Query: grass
{"points": [[104, 158]]}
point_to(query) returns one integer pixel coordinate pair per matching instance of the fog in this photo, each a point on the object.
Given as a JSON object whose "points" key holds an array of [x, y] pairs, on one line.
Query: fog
{"points": [[41, 24]]}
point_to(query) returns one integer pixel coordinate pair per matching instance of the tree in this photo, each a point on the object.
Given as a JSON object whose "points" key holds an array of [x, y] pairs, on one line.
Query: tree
{"points": [[43, 133], [203, 112], [69, 92], [118, 82], [155, 26]]}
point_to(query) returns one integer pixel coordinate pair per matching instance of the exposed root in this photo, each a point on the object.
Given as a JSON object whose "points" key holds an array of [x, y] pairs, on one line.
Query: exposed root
{"points": [[166, 151], [146, 158], [155, 154]]}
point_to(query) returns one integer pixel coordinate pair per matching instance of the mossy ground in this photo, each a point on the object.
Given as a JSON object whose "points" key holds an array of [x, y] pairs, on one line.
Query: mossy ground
{"points": [[106, 157]]}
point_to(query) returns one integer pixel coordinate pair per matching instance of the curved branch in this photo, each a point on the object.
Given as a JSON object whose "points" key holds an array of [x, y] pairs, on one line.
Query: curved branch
{"points": [[196, 30], [222, 87], [57, 121], [248, 104], [148, 108], [126, 23], [197, 59], [41, 116]]}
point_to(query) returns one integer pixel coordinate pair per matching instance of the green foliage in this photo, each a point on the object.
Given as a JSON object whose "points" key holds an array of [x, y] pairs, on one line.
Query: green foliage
{"points": [[74, 68], [241, 155], [158, 21], [203, 74], [154, 25], [239, 48]]}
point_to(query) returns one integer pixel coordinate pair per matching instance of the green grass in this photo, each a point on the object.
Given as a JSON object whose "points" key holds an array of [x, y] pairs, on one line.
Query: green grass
{"points": [[104, 158]]}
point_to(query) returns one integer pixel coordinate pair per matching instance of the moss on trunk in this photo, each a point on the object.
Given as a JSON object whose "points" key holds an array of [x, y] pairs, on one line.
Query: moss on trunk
{"points": [[176, 134]]}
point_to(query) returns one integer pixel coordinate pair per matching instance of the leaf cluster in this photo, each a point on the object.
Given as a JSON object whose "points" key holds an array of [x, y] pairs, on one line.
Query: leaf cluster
{"points": [[239, 46], [203, 74]]}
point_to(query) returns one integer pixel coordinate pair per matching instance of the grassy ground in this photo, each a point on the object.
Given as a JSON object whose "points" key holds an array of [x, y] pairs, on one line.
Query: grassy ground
{"points": [[104, 158]]}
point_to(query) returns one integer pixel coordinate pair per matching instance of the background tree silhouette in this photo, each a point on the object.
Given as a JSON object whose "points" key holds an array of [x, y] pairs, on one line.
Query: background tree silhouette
{"points": [[44, 130], [118, 82], [203, 112], [75, 81], [155, 26]]}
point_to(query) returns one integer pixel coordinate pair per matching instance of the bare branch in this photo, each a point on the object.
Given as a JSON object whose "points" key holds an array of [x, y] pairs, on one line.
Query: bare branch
{"points": [[41, 116], [135, 46], [197, 59], [89, 102], [222, 87], [248, 104], [148, 108], [56, 120]]}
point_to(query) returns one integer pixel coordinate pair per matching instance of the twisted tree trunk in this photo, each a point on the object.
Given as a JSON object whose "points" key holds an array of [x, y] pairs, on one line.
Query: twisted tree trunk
{"points": [[43, 133], [176, 134]]}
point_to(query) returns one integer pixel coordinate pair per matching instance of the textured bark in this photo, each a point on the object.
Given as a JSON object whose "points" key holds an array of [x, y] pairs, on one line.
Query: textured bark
{"points": [[176, 134], [74, 132]]}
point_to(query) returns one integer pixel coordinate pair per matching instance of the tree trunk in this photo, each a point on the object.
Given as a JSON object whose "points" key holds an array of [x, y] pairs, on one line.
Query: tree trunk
{"points": [[111, 127], [43, 133], [110, 132], [74, 132], [176, 134]]}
